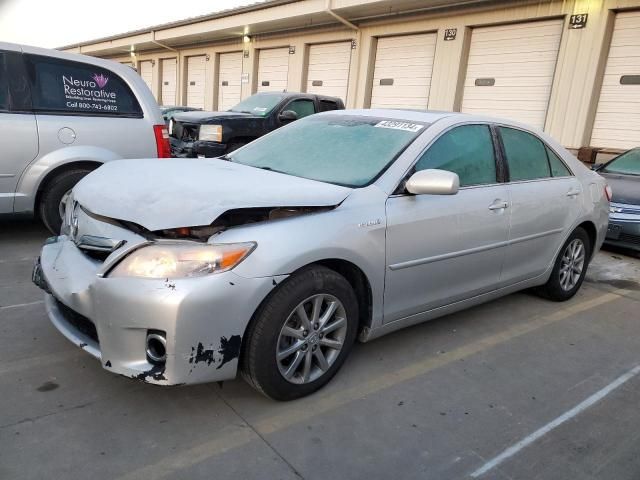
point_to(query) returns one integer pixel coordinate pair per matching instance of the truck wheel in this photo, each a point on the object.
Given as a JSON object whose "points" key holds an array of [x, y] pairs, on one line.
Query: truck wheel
{"points": [[51, 207], [301, 335]]}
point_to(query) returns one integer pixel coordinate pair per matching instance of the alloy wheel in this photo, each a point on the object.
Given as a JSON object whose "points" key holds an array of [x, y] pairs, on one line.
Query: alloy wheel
{"points": [[572, 264], [311, 338]]}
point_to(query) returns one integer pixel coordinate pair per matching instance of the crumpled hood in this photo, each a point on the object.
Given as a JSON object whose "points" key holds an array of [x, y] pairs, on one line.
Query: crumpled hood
{"points": [[172, 193]]}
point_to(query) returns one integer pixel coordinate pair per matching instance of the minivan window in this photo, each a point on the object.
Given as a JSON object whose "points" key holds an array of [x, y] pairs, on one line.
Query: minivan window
{"points": [[467, 151], [4, 83], [63, 86], [526, 155]]}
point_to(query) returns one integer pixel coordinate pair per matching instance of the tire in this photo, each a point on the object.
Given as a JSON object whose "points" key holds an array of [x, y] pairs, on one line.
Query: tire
{"points": [[266, 337], [54, 191], [558, 288]]}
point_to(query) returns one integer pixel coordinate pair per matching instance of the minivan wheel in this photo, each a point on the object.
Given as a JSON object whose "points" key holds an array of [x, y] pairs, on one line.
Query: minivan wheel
{"points": [[569, 269], [51, 208], [301, 335]]}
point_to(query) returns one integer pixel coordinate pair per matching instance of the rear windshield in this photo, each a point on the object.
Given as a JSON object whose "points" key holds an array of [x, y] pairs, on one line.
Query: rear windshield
{"points": [[63, 86], [628, 163], [340, 149], [260, 105]]}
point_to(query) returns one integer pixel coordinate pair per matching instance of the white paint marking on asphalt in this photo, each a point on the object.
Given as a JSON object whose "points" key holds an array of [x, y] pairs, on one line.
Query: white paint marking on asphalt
{"points": [[525, 442], [18, 305]]}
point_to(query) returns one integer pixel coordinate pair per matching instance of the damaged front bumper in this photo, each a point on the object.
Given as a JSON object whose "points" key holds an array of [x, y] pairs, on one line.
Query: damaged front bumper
{"points": [[203, 318], [197, 148]]}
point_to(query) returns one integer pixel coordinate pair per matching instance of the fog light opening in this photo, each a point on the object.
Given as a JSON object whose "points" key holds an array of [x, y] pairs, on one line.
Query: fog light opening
{"points": [[156, 347]]}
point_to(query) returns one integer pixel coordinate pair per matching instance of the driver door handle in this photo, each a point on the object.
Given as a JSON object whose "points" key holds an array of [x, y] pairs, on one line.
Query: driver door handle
{"points": [[573, 192], [498, 205]]}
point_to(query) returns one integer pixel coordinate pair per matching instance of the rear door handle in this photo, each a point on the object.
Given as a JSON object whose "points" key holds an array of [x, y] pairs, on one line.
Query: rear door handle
{"points": [[573, 192], [498, 205]]}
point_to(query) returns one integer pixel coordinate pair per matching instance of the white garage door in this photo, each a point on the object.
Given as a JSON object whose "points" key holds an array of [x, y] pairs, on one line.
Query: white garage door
{"points": [[195, 81], [146, 72], [229, 80], [169, 80], [273, 69], [402, 72], [328, 72], [617, 123], [510, 70]]}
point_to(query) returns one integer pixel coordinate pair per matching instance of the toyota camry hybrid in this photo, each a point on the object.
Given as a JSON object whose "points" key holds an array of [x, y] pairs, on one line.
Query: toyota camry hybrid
{"points": [[272, 260]]}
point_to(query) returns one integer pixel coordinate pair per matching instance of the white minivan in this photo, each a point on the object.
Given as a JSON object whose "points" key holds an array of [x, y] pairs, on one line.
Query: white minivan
{"points": [[63, 115]]}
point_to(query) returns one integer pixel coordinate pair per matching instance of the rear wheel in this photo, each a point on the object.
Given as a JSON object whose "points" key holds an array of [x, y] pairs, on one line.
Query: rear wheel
{"points": [[301, 335], [570, 268], [54, 196]]}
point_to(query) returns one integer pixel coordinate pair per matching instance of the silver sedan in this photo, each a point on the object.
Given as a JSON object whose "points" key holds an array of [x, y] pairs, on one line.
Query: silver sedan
{"points": [[343, 225]]}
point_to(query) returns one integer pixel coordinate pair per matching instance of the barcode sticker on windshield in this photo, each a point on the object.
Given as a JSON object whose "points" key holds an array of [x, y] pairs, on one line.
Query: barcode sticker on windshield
{"points": [[406, 126]]}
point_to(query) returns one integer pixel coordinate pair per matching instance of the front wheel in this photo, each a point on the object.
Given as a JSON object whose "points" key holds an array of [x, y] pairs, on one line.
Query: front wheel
{"points": [[569, 269], [54, 195], [302, 334]]}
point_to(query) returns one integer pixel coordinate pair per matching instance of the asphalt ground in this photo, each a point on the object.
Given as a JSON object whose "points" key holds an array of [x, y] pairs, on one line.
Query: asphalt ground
{"points": [[518, 388]]}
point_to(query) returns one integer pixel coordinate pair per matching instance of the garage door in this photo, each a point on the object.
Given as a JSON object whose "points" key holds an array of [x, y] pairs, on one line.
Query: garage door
{"points": [[195, 81], [273, 69], [617, 122], [169, 80], [510, 70], [229, 80], [146, 72], [402, 72], [328, 72]]}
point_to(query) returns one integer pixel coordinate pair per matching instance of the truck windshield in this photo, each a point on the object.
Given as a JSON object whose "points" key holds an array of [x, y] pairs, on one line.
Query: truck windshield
{"points": [[344, 150], [260, 105]]}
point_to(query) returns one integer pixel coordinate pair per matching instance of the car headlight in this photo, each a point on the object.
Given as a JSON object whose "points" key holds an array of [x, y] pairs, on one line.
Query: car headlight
{"points": [[179, 260], [211, 133]]}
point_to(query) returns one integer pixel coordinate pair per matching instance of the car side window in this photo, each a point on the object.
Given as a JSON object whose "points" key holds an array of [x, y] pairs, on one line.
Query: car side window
{"points": [[4, 83], [466, 150], [78, 88], [302, 107], [526, 155], [558, 168], [327, 105]]}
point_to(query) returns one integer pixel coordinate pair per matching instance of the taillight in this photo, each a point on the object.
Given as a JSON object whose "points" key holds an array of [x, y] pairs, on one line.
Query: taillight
{"points": [[162, 141], [608, 192]]}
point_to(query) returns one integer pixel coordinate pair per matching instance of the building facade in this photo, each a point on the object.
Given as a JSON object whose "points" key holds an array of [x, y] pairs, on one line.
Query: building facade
{"points": [[569, 67]]}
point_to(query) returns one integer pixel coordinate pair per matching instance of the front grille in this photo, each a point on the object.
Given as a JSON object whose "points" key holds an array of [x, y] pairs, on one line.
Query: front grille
{"points": [[80, 322], [628, 238]]}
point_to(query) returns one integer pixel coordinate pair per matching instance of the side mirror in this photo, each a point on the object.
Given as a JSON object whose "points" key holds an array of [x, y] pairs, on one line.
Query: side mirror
{"points": [[433, 182], [287, 116]]}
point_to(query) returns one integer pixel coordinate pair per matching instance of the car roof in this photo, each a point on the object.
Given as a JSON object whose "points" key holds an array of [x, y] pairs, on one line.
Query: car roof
{"points": [[432, 116], [295, 94], [425, 116]]}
